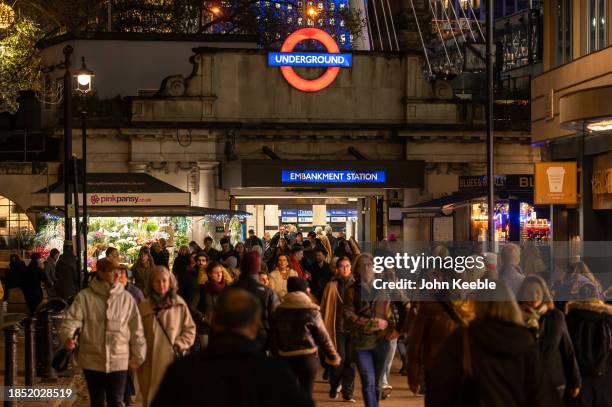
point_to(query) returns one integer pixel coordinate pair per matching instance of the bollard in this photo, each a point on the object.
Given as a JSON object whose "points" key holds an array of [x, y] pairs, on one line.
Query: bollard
{"points": [[10, 359], [29, 351], [44, 348]]}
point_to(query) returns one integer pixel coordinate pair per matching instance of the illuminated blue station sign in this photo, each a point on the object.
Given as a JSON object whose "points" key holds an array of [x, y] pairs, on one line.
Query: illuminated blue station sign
{"points": [[332, 176]]}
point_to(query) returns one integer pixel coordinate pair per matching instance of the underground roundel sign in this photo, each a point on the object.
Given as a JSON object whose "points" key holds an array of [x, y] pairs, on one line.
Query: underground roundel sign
{"points": [[286, 59]]}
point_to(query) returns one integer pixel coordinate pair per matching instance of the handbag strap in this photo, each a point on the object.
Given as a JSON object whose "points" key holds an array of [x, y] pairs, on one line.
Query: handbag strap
{"points": [[467, 353], [165, 333]]}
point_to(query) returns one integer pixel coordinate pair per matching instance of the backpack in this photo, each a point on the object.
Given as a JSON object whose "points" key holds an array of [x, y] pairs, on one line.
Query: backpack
{"points": [[593, 343]]}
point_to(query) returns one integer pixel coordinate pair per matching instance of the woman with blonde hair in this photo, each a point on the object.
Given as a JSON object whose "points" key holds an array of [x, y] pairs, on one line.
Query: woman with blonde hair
{"points": [[367, 316], [495, 356], [550, 332], [168, 327]]}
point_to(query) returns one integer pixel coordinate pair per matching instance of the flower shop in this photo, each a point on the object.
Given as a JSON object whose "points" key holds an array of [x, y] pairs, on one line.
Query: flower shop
{"points": [[128, 211]]}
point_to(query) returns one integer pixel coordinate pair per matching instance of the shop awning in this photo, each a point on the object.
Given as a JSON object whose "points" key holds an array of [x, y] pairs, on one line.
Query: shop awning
{"points": [[150, 211], [118, 190], [436, 207]]}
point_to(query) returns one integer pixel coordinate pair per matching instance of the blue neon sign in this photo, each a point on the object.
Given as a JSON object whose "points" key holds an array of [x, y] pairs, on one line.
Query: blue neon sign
{"points": [[333, 176], [309, 59]]}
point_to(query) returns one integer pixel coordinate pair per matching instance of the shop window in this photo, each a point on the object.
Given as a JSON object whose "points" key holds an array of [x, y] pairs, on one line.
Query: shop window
{"points": [[15, 227], [563, 23], [597, 25]]}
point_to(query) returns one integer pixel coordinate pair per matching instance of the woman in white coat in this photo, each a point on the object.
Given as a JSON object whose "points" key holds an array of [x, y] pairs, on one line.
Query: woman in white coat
{"points": [[111, 335], [168, 328]]}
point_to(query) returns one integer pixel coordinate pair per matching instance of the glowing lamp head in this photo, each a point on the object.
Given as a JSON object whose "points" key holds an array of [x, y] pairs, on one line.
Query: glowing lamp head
{"points": [[84, 78], [215, 10], [312, 12]]}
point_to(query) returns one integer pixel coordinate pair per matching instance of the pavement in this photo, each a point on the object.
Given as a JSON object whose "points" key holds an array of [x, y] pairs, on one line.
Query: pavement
{"points": [[400, 396]]}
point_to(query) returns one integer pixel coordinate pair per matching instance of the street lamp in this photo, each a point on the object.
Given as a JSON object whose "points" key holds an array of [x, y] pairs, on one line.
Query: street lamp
{"points": [[84, 79]]}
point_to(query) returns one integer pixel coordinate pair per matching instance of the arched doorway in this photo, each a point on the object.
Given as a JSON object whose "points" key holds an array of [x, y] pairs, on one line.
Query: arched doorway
{"points": [[15, 226]]}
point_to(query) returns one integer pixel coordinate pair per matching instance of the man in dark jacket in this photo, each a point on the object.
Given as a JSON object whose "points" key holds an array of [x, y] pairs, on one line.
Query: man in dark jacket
{"points": [[320, 274], [231, 371], [298, 331], [252, 240], [249, 281], [50, 278], [506, 366], [213, 254], [68, 276]]}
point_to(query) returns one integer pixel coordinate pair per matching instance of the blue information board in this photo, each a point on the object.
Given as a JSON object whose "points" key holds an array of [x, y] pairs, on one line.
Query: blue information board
{"points": [[332, 176]]}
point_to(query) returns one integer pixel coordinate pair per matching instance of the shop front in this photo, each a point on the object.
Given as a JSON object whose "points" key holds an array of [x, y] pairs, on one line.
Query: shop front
{"points": [[131, 210], [463, 216], [349, 196]]}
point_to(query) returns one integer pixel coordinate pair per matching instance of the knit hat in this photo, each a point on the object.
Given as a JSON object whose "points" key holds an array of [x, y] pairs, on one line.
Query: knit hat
{"points": [[231, 262], [296, 284], [251, 263]]}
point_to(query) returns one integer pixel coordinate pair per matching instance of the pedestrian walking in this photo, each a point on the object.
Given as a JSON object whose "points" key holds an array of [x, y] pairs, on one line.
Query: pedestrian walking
{"points": [[142, 268], [105, 311], [320, 273], [298, 331], [181, 262], [32, 281], [268, 300], [589, 323], [68, 275], [160, 254], [50, 278], [280, 274], [295, 260], [138, 296], [168, 329], [550, 332], [252, 240], [113, 254], [366, 316], [492, 362], [510, 271], [209, 293], [232, 370], [332, 307], [189, 290]]}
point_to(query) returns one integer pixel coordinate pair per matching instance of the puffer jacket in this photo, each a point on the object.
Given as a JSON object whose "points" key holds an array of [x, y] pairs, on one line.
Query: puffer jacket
{"points": [[111, 328], [298, 329]]}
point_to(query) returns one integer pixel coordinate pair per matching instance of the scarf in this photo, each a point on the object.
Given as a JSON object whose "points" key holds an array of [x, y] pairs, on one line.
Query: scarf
{"points": [[215, 287], [164, 302], [532, 316]]}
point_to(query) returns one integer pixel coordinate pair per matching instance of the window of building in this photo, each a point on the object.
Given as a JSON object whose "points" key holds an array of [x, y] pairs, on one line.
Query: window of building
{"points": [[597, 25], [563, 17], [14, 225]]}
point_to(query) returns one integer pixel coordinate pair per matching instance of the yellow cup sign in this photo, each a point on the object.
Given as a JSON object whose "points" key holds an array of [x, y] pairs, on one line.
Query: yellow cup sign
{"points": [[556, 183]]}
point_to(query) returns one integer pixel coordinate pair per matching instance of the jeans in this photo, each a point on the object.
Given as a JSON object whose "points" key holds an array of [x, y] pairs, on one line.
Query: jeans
{"points": [[388, 362], [371, 364], [305, 368], [345, 373], [109, 386]]}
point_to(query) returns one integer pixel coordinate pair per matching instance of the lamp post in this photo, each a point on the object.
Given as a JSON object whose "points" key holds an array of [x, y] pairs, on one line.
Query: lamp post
{"points": [[489, 118], [67, 142], [84, 79]]}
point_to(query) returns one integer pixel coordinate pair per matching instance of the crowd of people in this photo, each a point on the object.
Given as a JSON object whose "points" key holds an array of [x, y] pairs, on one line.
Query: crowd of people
{"points": [[255, 322]]}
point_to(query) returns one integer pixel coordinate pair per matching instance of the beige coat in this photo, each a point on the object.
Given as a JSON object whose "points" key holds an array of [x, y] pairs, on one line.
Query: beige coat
{"points": [[279, 284], [111, 328], [182, 331]]}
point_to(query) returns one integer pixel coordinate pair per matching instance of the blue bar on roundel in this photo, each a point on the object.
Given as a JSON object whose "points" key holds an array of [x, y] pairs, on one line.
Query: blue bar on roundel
{"points": [[309, 59]]}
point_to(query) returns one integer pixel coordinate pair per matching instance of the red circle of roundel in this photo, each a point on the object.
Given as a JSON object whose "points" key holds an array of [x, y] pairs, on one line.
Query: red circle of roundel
{"points": [[310, 85]]}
